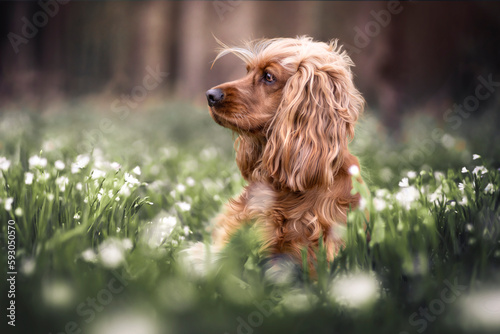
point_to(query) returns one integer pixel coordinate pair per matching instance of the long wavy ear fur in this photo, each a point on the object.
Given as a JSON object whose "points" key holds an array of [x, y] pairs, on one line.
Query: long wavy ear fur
{"points": [[313, 124]]}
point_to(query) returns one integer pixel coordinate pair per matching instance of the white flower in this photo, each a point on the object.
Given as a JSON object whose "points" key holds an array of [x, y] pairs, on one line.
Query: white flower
{"points": [[299, 302], [436, 195], [76, 216], [74, 168], [354, 170], [411, 174], [36, 161], [186, 230], [461, 186], [124, 190], [4, 163], [127, 244], [81, 162], [111, 253], [159, 230], [379, 204], [190, 181], [89, 255], [489, 189], [404, 183], [97, 173], [8, 204], [18, 212], [130, 180], [180, 188], [50, 197], [62, 182], [184, 206], [480, 169], [464, 170], [355, 291], [464, 201], [476, 156], [137, 170], [407, 196], [28, 266], [79, 186], [116, 166], [59, 165], [28, 178], [381, 192], [100, 194]]}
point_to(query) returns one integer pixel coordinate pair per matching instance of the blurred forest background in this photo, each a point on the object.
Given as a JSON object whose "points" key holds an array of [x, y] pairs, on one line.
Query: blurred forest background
{"points": [[422, 57]]}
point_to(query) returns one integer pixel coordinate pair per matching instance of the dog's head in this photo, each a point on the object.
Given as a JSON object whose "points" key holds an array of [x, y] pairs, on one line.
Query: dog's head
{"points": [[298, 97]]}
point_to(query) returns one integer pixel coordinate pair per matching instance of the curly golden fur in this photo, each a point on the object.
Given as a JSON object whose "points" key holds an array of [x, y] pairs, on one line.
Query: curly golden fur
{"points": [[294, 113]]}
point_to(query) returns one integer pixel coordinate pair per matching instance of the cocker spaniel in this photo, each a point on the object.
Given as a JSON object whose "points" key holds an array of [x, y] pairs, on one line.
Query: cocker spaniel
{"points": [[294, 113]]}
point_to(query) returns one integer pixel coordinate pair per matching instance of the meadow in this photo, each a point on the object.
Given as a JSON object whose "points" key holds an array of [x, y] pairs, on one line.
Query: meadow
{"points": [[101, 207]]}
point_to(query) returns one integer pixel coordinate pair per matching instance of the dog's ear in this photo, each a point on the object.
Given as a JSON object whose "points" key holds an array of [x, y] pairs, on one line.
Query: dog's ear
{"points": [[313, 125]]}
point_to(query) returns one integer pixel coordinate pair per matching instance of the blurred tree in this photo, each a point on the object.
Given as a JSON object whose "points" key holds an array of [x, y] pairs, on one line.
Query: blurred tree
{"points": [[422, 58]]}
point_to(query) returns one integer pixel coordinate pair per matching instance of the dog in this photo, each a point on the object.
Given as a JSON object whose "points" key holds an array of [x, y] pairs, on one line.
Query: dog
{"points": [[294, 114]]}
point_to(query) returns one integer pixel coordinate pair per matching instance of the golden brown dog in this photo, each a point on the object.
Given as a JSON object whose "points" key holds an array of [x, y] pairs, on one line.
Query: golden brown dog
{"points": [[294, 113]]}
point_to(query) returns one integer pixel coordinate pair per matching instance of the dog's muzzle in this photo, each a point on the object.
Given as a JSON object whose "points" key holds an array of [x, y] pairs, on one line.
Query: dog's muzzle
{"points": [[214, 96]]}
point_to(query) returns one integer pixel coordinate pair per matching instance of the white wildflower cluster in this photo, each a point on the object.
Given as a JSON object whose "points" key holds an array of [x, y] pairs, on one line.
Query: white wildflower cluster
{"points": [[437, 195], [37, 161], [8, 203], [355, 291], [4, 163], [28, 178], [407, 195], [183, 206], [81, 162], [479, 170], [159, 231], [466, 187], [97, 173], [62, 182], [137, 170], [110, 253], [59, 165], [380, 199], [164, 229], [130, 183]]}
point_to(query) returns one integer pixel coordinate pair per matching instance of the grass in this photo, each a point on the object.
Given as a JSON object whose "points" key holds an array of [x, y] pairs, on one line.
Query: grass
{"points": [[103, 211]]}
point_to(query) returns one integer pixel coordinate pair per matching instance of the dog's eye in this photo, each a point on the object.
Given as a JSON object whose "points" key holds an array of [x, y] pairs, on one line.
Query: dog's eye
{"points": [[269, 78]]}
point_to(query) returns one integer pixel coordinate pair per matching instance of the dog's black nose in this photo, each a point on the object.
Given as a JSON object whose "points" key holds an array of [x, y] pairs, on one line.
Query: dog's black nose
{"points": [[214, 96]]}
